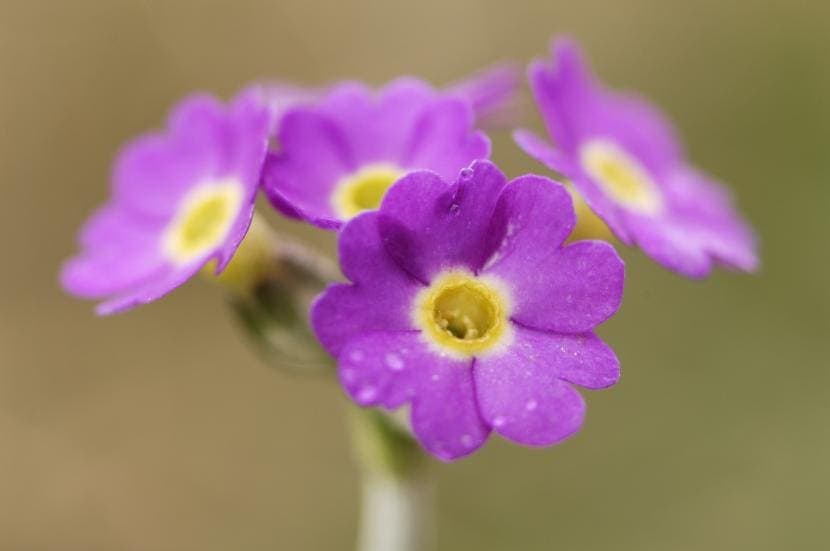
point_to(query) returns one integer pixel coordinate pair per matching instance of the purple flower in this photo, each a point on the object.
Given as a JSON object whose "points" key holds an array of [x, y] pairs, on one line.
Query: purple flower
{"points": [[179, 200], [465, 305], [623, 157], [338, 157]]}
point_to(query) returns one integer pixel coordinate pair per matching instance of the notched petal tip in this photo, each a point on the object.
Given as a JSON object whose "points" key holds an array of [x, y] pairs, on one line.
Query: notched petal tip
{"points": [[195, 108]]}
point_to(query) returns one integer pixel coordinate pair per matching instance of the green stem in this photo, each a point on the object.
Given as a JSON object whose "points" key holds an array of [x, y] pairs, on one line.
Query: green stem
{"points": [[396, 493], [273, 282]]}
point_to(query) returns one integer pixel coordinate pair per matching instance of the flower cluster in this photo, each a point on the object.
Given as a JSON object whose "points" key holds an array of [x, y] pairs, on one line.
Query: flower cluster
{"points": [[470, 299]]}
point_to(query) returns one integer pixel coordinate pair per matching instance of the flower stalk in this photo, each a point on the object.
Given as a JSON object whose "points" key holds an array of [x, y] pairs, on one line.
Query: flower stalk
{"points": [[396, 492], [271, 282]]}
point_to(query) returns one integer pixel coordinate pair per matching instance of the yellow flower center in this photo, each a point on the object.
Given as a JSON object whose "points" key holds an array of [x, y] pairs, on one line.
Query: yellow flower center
{"points": [[364, 190], [203, 221], [462, 314], [621, 176]]}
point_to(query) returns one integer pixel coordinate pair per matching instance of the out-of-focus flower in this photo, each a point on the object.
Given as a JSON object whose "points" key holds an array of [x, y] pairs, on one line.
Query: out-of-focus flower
{"points": [[623, 157], [338, 157], [179, 200], [492, 93], [464, 304]]}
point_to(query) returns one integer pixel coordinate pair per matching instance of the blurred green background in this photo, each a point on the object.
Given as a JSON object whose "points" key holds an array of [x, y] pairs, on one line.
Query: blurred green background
{"points": [[161, 430]]}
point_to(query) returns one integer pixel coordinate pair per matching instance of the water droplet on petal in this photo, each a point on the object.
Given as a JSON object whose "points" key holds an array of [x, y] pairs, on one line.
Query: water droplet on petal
{"points": [[531, 405], [367, 394], [394, 362]]}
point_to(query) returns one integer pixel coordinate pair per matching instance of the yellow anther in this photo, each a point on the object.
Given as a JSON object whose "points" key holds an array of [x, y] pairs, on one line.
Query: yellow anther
{"points": [[462, 314]]}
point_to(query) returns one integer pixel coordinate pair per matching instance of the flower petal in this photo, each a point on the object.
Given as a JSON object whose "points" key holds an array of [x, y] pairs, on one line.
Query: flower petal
{"points": [[734, 245], [700, 228], [532, 218], [153, 173], [377, 126], [300, 177], [523, 393], [249, 124], [640, 128], [445, 414], [568, 290], [381, 298], [565, 92], [672, 246], [555, 411], [578, 288], [103, 268], [343, 312], [542, 151], [204, 140], [706, 208], [582, 359], [381, 368], [200, 122], [390, 369], [114, 227], [443, 141], [363, 255], [235, 236], [98, 276], [692, 249], [152, 290], [428, 225]]}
